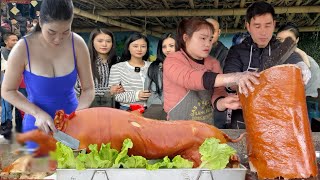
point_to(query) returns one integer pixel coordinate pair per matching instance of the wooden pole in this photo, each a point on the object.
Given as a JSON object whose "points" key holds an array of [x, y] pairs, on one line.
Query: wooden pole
{"points": [[242, 3], [201, 12], [106, 20], [228, 31]]}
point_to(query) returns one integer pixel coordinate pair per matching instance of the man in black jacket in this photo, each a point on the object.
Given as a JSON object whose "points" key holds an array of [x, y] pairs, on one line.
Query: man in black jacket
{"points": [[253, 52]]}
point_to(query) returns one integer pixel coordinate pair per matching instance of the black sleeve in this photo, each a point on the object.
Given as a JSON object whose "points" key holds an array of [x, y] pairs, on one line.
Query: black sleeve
{"points": [[209, 78], [215, 103], [232, 62], [294, 58], [223, 56]]}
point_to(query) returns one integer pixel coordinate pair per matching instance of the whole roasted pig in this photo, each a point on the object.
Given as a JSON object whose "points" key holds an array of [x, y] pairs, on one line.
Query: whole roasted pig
{"points": [[279, 139], [152, 139]]}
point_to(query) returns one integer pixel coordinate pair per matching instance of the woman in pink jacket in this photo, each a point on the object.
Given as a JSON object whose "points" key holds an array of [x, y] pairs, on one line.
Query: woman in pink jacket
{"points": [[193, 81]]}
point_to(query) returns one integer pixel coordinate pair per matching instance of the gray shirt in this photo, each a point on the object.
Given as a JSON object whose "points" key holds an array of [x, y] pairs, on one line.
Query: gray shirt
{"points": [[314, 83], [4, 54]]}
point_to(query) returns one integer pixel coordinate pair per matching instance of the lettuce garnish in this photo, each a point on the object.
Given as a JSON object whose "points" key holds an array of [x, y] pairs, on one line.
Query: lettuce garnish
{"points": [[213, 156]]}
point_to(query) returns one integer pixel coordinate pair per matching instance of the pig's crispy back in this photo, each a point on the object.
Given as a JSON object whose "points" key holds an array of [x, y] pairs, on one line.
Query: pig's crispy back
{"points": [[279, 136]]}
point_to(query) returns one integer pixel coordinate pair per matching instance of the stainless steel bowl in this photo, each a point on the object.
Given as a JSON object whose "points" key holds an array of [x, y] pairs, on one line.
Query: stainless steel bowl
{"points": [[318, 155]]}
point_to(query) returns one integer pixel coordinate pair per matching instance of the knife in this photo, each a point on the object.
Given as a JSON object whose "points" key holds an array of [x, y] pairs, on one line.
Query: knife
{"points": [[66, 139], [281, 53]]}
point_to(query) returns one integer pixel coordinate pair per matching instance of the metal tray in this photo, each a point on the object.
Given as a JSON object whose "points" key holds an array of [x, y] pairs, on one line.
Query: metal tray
{"points": [[160, 174]]}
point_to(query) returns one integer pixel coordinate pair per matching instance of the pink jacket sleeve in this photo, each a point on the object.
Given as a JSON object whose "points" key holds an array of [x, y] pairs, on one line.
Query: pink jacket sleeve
{"points": [[181, 72]]}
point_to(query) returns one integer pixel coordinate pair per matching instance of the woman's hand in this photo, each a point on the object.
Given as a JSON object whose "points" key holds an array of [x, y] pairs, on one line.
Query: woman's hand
{"points": [[230, 102], [44, 122], [115, 89], [144, 95], [246, 80]]}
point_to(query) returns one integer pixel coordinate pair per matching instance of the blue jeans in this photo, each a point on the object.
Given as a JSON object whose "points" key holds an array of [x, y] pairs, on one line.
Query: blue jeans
{"points": [[6, 113], [126, 108]]}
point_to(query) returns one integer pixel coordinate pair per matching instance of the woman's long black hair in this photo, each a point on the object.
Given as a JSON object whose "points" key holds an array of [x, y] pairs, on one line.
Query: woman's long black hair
{"points": [[126, 55], [54, 10], [112, 56], [153, 71], [289, 26]]}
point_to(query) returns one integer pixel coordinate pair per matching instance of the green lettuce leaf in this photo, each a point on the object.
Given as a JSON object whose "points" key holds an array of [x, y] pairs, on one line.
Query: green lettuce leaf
{"points": [[107, 157], [64, 156], [102, 159], [215, 155], [161, 163], [93, 159], [123, 155], [107, 153], [135, 162], [81, 161], [179, 162]]}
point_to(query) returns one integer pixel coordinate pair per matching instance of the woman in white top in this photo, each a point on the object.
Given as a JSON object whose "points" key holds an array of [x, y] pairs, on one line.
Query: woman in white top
{"points": [[132, 71]]}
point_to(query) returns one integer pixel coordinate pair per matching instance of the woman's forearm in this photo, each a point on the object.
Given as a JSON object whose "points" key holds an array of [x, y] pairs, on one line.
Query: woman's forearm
{"points": [[227, 80], [85, 98]]}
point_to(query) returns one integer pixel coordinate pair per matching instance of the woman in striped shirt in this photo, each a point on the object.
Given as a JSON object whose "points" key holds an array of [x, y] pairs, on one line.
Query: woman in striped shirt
{"points": [[103, 55], [132, 71]]}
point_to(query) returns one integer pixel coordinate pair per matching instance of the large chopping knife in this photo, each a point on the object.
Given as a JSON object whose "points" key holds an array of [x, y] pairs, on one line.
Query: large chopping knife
{"points": [[66, 139], [281, 54]]}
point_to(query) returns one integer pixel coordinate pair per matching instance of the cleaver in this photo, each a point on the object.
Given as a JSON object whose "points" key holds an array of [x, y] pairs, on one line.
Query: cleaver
{"points": [[281, 53], [66, 139]]}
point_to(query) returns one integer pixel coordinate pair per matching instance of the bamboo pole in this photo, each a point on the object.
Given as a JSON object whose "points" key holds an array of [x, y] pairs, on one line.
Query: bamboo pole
{"points": [[242, 3], [106, 20], [314, 20], [229, 31], [201, 12], [216, 4], [191, 4], [165, 4], [89, 29]]}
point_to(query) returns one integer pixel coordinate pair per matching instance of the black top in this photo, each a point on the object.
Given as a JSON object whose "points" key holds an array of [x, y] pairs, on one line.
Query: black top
{"points": [[220, 52], [239, 56]]}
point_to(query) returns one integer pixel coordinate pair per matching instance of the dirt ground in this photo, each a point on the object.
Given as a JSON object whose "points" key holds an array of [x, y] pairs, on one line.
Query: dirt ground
{"points": [[7, 154]]}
